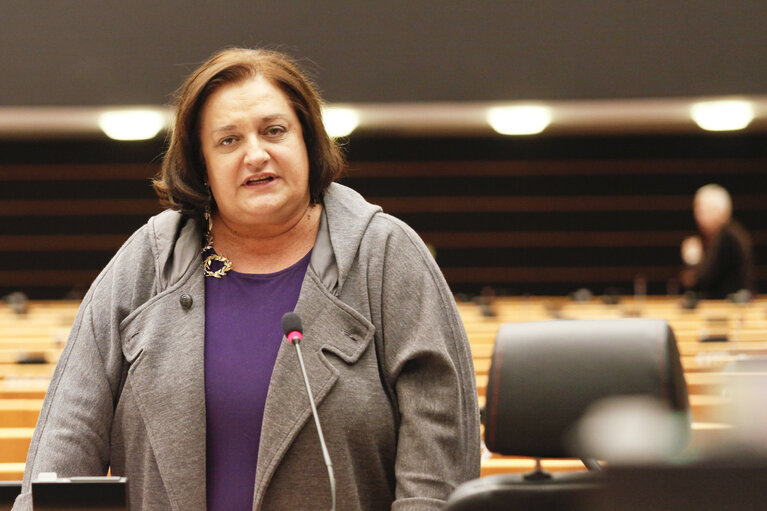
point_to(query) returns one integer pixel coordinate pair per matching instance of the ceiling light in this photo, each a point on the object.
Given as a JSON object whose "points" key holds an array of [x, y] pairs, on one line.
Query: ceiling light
{"points": [[519, 120], [131, 124], [340, 122], [725, 115]]}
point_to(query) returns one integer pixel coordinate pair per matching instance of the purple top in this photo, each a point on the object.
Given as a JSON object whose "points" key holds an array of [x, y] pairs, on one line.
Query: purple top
{"points": [[242, 336]]}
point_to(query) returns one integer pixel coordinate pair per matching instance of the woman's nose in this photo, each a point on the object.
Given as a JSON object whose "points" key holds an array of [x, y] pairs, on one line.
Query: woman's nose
{"points": [[256, 155]]}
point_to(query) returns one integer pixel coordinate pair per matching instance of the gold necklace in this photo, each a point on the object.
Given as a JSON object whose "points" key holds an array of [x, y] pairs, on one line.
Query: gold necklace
{"points": [[226, 264]]}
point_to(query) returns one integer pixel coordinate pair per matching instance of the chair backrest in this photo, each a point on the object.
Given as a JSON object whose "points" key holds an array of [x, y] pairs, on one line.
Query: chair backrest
{"points": [[545, 375]]}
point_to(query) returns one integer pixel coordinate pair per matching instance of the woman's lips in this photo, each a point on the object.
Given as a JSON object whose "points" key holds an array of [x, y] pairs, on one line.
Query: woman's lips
{"points": [[259, 180]]}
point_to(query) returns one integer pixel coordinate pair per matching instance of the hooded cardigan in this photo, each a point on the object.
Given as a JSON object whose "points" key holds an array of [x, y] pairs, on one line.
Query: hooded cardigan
{"points": [[385, 352]]}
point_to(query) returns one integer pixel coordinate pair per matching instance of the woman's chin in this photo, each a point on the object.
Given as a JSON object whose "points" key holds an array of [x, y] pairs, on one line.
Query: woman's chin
{"points": [[268, 213]]}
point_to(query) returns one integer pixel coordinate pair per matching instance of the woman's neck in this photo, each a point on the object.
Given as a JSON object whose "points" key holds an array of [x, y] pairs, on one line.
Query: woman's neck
{"points": [[270, 248]]}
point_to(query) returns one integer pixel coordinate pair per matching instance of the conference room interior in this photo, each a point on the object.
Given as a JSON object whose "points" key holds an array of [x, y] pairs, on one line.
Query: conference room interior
{"points": [[581, 217]]}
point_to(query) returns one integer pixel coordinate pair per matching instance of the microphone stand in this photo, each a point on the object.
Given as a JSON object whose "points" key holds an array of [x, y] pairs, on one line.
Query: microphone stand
{"points": [[325, 453]]}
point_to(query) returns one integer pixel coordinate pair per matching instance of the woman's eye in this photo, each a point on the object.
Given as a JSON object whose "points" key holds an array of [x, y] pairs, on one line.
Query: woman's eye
{"points": [[275, 131], [226, 141]]}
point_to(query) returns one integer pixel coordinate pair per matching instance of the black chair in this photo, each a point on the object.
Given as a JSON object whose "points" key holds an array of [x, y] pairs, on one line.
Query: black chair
{"points": [[543, 378], [98, 493], [9, 490]]}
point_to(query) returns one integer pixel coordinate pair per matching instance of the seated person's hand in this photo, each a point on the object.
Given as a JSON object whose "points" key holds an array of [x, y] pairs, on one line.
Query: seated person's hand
{"points": [[692, 250]]}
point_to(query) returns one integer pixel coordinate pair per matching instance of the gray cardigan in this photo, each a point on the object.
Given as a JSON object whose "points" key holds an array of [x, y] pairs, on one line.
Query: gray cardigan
{"points": [[385, 351]]}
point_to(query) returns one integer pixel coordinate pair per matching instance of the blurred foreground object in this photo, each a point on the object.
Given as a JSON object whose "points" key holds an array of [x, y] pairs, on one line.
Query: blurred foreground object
{"points": [[730, 477], [745, 387], [715, 484]]}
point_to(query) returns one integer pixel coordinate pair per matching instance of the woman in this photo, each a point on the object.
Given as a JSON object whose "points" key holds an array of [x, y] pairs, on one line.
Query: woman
{"points": [[176, 374]]}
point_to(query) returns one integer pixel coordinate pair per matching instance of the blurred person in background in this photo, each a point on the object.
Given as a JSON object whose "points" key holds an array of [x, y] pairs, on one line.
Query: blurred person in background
{"points": [[719, 260]]}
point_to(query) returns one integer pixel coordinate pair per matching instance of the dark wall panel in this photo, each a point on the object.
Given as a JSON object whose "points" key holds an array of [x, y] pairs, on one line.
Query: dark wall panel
{"points": [[540, 216]]}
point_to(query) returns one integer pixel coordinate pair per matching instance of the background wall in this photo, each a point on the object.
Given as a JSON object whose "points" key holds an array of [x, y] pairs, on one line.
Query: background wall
{"points": [[542, 215], [94, 52]]}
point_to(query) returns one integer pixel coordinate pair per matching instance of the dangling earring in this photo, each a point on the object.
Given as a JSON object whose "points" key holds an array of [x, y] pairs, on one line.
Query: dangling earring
{"points": [[226, 264]]}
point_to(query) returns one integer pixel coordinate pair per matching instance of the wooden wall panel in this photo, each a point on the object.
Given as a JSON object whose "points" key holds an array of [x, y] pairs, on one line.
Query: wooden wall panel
{"points": [[524, 217]]}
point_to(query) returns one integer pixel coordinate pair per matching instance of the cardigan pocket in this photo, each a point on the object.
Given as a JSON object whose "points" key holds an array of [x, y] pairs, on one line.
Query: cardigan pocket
{"points": [[349, 346], [131, 350], [132, 347]]}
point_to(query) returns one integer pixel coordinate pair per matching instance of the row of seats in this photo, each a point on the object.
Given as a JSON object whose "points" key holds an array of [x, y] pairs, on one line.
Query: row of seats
{"points": [[709, 337], [30, 345]]}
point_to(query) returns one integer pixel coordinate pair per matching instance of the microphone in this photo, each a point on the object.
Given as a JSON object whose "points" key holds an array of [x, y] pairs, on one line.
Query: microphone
{"points": [[293, 329], [291, 325]]}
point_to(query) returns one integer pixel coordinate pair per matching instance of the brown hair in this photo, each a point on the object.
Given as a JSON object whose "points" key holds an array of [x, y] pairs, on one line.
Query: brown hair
{"points": [[180, 184]]}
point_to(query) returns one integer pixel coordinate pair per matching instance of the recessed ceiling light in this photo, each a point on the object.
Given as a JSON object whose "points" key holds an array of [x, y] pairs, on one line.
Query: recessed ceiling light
{"points": [[724, 115], [339, 121], [519, 120], [131, 124]]}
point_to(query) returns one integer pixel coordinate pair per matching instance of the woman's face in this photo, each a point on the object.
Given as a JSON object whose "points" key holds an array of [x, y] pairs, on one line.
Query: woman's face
{"points": [[255, 156]]}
